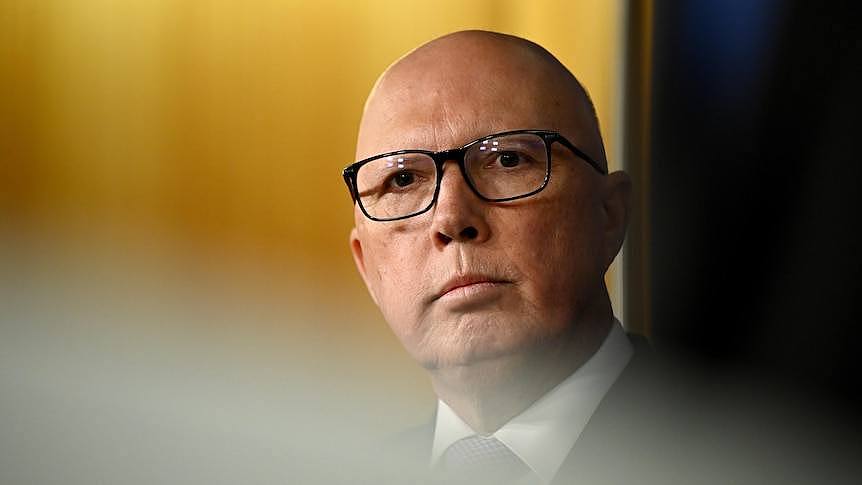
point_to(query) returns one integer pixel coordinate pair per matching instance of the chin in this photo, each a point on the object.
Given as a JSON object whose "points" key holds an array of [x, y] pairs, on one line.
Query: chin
{"points": [[465, 350]]}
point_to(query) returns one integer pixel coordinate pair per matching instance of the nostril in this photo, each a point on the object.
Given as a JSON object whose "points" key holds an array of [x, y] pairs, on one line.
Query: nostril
{"points": [[469, 233], [444, 238]]}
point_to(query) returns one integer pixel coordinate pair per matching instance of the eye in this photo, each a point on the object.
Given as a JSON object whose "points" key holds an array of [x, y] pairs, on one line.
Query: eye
{"points": [[403, 179], [509, 159]]}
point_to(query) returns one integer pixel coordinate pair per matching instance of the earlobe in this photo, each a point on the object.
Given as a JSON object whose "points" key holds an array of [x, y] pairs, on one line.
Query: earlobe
{"points": [[617, 205], [359, 259]]}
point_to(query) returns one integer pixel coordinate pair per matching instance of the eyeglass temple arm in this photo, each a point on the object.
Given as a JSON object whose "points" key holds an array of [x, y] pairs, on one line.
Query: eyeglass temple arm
{"points": [[577, 151]]}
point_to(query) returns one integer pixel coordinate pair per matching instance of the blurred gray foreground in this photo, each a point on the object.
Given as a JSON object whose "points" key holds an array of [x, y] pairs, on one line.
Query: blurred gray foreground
{"points": [[125, 365]]}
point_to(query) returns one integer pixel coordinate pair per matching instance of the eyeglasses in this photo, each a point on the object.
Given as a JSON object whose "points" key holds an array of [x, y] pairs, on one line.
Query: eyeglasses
{"points": [[498, 168]]}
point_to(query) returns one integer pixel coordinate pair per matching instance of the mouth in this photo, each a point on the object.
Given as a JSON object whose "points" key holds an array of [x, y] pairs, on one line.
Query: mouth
{"points": [[466, 285]]}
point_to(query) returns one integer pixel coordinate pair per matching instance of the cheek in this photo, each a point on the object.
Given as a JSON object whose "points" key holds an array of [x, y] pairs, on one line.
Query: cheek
{"points": [[395, 263], [557, 254]]}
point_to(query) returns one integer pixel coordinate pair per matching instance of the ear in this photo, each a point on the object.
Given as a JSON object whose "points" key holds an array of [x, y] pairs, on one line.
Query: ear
{"points": [[616, 202], [359, 259]]}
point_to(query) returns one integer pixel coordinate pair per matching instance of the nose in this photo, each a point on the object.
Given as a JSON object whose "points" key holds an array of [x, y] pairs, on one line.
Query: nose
{"points": [[459, 214]]}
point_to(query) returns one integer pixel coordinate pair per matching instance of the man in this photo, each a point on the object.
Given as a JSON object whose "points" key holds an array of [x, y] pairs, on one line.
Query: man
{"points": [[485, 221], [491, 273]]}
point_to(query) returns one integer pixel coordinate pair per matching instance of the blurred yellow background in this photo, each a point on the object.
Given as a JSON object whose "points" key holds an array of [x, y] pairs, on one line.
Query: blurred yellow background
{"points": [[170, 173]]}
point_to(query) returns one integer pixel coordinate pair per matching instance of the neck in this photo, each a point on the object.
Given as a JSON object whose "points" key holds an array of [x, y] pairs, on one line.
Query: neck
{"points": [[487, 394]]}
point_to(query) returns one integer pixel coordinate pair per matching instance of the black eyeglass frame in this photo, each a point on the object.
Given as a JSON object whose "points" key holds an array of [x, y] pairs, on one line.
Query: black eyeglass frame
{"points": [[457, 155]]}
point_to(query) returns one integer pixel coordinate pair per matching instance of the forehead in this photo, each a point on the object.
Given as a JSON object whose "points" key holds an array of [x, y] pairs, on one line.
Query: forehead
{"points": [[441, 109]]}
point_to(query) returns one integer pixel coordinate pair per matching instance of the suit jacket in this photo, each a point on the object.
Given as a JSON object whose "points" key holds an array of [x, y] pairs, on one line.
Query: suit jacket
{"points": [[661, 423]]}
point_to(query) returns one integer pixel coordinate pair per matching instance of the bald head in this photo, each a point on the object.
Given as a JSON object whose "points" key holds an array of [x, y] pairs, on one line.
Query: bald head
{"points": [[480, 82]]}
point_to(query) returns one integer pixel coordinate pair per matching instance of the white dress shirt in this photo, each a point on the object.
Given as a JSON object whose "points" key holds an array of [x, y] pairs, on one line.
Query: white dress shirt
{"points": [[544, 433]]}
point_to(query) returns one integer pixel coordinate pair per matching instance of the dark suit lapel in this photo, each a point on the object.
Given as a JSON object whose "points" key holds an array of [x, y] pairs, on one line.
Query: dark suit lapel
{"points": [[614, 437]]}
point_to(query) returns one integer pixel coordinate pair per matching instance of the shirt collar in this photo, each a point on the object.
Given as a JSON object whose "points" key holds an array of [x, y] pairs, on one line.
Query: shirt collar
{"points": [[543, 434]]}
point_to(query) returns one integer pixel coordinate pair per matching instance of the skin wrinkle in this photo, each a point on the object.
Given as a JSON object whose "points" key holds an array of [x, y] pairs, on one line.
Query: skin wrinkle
{"points": [[490, 358]]}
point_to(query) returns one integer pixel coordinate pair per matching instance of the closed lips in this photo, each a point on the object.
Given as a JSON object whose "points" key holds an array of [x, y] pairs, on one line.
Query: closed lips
{"points": [[467, 280]]}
